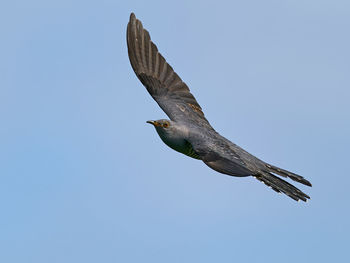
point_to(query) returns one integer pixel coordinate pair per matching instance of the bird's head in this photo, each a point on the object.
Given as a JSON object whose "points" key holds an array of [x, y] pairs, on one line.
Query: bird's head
{"points": [[170, 132], [165, 128], [161, 125]]}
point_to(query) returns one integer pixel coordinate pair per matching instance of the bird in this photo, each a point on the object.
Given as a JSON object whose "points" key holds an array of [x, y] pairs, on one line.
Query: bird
{"points": [[188, 131]]}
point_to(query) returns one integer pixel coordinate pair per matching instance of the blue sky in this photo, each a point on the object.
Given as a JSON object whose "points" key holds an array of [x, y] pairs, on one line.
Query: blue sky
{"points": [[85, 179]]}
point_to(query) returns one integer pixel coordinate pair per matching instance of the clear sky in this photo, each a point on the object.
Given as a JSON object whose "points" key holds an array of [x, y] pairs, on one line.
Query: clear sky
{"points": [[83, 178]]}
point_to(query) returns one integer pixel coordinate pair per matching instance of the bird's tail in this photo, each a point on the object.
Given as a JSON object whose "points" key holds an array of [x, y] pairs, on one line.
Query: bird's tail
{"points": [[285, 173], [279, 185]]}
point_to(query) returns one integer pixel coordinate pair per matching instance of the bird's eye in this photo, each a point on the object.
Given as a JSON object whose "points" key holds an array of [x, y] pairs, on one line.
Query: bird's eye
{"points": [[165, 125]]}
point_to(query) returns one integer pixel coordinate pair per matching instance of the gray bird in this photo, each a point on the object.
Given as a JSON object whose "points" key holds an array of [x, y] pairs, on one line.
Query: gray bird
{"points": [[188, 131]]}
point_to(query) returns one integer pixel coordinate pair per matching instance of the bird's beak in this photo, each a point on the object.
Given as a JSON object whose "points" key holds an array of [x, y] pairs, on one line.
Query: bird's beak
{"points": [[154, 123]]}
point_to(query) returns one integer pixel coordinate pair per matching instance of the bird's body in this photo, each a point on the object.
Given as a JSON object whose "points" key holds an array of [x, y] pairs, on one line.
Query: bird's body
{"points": [[188, 131]]}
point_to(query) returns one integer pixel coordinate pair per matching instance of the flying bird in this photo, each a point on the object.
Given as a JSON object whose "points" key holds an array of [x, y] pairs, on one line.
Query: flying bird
{"points": [[188, 131]]}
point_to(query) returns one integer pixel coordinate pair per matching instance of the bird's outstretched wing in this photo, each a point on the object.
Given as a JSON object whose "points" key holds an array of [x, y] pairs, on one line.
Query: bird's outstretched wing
{"points": [[161, 81]]}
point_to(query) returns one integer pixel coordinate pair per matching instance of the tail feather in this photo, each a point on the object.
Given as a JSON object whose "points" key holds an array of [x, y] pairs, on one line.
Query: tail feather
{"points": [[280, 185], [285, 173]]}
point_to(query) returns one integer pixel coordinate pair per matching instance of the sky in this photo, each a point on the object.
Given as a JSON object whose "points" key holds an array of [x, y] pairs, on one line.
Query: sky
{"points": [[83, 178]]}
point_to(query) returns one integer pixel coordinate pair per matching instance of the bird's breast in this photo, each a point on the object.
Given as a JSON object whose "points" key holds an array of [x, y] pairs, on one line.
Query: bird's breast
{"points": [[179, 144]]}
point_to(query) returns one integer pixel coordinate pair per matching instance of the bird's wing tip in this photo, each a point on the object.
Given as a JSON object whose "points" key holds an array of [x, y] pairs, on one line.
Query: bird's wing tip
{"points": [[132, 16]]}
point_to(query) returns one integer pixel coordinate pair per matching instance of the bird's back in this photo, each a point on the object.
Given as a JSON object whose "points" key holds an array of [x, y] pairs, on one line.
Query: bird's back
{"points": [[213, 147]]}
